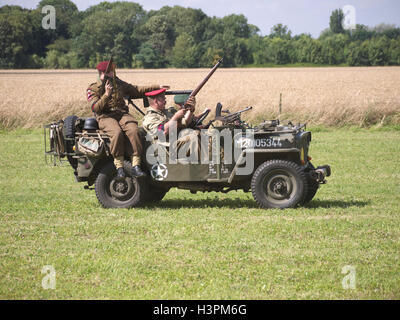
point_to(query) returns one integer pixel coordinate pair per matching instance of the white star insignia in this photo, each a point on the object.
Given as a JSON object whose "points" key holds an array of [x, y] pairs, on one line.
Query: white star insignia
{"points": [[159, 171]]}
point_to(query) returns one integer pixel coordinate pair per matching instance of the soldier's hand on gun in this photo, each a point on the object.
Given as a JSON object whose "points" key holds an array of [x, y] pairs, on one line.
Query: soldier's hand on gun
{"points": [[109, 88], [179, 114], [190, 104]]}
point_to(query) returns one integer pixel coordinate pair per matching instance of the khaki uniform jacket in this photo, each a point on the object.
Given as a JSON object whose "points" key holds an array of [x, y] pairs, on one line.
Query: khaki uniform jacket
{"points": [[102, 104], [155, 119]]}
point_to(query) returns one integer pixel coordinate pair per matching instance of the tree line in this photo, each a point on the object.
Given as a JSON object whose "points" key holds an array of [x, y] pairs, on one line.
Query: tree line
{"points": [[178, 37]]}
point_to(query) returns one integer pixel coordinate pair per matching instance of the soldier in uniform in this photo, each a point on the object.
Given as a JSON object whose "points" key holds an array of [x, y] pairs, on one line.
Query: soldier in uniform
{"points": [[158, 118], [113, 115]]}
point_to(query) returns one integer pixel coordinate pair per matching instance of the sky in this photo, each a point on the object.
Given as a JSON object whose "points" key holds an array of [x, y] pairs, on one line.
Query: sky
{"points": [[301, 16]]}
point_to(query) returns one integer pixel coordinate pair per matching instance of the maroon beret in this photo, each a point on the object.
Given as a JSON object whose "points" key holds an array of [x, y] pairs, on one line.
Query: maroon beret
{"points": [[155, 92], [102, 66]]}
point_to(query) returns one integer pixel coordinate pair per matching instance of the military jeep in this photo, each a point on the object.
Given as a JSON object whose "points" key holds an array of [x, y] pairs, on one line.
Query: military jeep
{"points": [[281, 174]]}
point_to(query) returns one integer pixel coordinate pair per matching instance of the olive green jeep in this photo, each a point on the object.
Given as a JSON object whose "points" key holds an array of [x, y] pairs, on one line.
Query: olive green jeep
{"points": [[271, 160]]}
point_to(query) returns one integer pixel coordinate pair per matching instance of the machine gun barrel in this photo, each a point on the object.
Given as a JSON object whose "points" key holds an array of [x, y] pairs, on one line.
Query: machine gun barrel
{"points": [[235, 115]]}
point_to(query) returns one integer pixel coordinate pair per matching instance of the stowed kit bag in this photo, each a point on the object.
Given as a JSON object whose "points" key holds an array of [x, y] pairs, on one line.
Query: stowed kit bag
{"points": [[92, 146]]}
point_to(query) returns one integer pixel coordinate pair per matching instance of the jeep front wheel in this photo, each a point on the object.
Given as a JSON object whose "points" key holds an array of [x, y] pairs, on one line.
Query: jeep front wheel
{"points": [[312, 184], [279, 184], [114, 193]]}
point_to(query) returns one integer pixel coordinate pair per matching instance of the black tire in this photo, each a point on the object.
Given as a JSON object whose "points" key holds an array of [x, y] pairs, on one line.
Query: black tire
{"points": [[155, 194], [69, 133], [111, 193], [312, 185], [279, 184]]}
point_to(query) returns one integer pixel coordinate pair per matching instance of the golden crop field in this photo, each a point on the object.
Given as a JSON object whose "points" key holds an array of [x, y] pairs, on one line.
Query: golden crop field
{"points": [[328, 96]]}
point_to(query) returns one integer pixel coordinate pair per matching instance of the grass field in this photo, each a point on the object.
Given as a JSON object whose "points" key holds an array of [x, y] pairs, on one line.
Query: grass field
{"points": [[320, 96], [204, 246]]}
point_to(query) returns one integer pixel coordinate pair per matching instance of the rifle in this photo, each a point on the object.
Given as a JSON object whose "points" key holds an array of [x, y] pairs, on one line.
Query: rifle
{"points": [[134, 105], [198, 88], [108, 69]]}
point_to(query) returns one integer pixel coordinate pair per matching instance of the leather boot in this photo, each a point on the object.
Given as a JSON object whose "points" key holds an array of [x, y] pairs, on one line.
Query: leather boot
{"points": [[120, 174], [137, 172]]}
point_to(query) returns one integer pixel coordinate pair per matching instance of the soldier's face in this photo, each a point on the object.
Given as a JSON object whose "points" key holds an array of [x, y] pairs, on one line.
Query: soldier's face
{"points": [[102, 75], [160, 102]]}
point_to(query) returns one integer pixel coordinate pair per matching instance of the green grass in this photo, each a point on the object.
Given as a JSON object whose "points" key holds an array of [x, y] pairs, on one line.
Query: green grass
{"points": [[204, 246]]}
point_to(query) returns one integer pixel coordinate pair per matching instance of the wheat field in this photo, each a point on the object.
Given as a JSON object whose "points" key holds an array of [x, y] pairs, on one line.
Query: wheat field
{"points": [[319, 96]]}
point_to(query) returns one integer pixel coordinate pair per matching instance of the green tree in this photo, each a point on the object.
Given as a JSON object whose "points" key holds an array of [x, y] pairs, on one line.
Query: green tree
{"points": [[378, 51], [316, 52], [121, 51], [210, 57], [160, 36], [148, 57], [60, 55], [336, 21], [361, 33], [236, 25], [279, 51], [325, 34], [357, 53], [234, 50], [190, 21], [51, 60], [394, 52], [261, 52], [108, 28], [178, 36], [61, 45], [303, 47], [333, 48], [184, 52], [280, 31], [388, 30], [17, 37]]}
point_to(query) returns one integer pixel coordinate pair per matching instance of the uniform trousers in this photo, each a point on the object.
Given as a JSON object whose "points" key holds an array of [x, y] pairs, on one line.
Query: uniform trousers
{"points": [[115, 124]]}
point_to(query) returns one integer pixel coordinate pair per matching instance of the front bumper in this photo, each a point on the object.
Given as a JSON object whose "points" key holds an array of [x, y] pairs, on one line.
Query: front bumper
{"points": [[320, 173]]}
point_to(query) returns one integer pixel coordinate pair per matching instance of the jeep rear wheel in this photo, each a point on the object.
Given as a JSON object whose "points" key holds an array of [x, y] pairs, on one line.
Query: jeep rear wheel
{"points": [[279, 184], [114, 193]]}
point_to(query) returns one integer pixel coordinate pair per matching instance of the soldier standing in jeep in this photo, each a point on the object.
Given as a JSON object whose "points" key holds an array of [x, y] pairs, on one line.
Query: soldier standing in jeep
{"points": [[112, 114]]}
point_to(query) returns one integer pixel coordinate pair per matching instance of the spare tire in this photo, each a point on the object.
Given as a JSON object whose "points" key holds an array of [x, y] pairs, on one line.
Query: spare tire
{"points": [[69, 138]]}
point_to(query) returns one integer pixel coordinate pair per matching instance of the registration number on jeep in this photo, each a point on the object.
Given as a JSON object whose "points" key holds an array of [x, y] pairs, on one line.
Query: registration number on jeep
{"points": [[258, 143]]}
